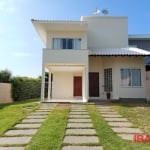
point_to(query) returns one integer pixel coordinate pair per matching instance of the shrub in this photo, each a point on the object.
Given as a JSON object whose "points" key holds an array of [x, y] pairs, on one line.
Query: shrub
{"points": [[5, 76], [25, 88]]}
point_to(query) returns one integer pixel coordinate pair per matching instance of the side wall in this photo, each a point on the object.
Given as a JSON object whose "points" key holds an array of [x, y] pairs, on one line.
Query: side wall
{"points": [[98, 64], [5, 93]]}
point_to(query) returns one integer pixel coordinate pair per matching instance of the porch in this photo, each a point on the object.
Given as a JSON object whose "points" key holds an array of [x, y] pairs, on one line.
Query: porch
{"points": [[66, 83]]}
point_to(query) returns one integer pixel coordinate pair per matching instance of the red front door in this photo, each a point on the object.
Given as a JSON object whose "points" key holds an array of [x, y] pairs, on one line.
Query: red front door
{"points": [[77, 86]]}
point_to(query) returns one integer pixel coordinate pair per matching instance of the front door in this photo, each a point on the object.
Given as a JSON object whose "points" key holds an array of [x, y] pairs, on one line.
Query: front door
{"points": [[77, 86], [94, 84]]}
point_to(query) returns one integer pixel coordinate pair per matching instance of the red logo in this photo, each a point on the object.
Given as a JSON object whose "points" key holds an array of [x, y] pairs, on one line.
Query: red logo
{"points": [[141, 138]]}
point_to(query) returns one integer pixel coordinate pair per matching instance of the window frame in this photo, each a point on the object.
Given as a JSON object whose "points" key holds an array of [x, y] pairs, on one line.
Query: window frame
{"points": [[108, 79], [131, 78], [66, 43]]}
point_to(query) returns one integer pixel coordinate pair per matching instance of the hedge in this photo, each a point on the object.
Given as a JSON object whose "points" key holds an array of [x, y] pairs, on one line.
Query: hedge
{"points": [[25, 88]]}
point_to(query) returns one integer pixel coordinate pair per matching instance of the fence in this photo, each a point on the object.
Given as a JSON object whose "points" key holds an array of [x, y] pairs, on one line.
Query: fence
{"points": [[5, 93]]}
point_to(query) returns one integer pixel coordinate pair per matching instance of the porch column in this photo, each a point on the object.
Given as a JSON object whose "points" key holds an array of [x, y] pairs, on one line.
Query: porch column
{"points": [[43, 84], [85, 88], [49, 86]]}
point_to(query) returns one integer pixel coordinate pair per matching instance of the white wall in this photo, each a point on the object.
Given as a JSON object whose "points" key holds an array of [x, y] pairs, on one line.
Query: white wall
{"points": [[65, 56], [98, 64], [62, 85], [106, 32]]}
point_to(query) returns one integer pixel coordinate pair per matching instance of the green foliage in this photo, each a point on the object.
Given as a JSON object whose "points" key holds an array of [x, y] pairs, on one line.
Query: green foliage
{"points": [[5, 76], [25, 88]]}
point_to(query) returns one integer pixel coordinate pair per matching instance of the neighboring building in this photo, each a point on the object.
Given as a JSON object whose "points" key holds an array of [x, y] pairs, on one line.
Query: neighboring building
{"points": [[141, 41], [89, 58]]}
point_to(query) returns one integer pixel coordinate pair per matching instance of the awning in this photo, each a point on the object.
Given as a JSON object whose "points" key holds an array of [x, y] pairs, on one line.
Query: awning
{"points": [[129, 51]]}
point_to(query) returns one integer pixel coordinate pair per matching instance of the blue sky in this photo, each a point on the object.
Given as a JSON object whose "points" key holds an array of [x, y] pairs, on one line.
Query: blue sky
{"points": [[20, 45]]}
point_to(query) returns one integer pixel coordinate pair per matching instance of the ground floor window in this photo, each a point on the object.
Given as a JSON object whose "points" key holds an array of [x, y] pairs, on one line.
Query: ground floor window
{"points": [[108, 80], [130, 77]]}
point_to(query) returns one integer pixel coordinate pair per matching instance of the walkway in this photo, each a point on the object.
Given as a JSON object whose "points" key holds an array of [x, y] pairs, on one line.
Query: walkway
{"points": [[80, 132], [22, 132], [118, 123]]}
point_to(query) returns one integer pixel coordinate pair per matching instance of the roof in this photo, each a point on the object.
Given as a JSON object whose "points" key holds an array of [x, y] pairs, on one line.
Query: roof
{"points": [[139, 36], [58, 21], [44, 26], [129, 51]]}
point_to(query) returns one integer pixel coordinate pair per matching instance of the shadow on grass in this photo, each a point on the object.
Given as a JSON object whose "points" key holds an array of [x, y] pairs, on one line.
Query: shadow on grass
{"points": [[123, 102], [2, 106]]}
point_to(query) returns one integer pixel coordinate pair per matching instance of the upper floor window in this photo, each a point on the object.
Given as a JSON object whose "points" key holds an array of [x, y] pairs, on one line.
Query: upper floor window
{"points": [[130, 77], [66, 43]]}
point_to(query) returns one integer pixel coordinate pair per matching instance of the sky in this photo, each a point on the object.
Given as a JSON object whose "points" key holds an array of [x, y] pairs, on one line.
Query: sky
{"points": [[21, 46]]}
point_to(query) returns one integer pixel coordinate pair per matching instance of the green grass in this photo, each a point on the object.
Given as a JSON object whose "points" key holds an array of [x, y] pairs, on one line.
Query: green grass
{"points": [[136, 112], [51, 133], [108, 139], [10, 114]]}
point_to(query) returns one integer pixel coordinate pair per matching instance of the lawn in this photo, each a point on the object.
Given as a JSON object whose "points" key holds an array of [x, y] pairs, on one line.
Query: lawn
{"points": [[51, 133], [108, 139], [137, 112], [10, 114]]}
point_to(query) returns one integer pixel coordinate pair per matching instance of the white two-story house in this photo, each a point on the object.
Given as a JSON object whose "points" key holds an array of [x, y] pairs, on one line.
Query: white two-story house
{"points": [[89, 58]]}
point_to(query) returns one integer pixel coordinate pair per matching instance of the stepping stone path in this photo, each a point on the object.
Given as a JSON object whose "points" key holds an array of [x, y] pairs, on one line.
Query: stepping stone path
{"points": [[22, 132], [118, 124], [80, 131]]}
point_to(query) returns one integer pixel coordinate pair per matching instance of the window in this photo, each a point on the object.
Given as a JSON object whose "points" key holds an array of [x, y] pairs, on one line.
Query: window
{"points": [[130, 77], [108, 80], [66, 43]]}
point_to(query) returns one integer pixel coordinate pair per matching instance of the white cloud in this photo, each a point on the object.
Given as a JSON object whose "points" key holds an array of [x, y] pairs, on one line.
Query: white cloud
{"points": [[21, 54]]}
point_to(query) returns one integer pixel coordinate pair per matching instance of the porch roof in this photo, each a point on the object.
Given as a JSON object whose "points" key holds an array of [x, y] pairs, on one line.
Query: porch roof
{"points": [[129, 51]]}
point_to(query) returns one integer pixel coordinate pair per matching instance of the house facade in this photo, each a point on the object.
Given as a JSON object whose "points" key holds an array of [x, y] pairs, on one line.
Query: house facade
{"points": [[90, 59], [141, 41]]}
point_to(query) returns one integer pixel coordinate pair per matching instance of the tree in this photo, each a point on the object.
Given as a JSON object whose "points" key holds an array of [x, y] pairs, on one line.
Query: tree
{"points": [[5, 76]]}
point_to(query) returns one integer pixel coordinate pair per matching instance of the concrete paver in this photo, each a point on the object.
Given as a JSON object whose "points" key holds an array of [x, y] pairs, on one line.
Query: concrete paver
{"points": [[79, 125], [79, 110], [32, 120], [11, 148], [120, 124], [129, 137], [79, 116], [111, 116], [116, 119], [43, 110], [30, 126], [126, 130], [40, 113], [82, 148], [21, 132], [106, 109], [80, 120], [36, 117], [111, 113], [78, 113], [81, 131], [15, 140], [81, 139]]}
